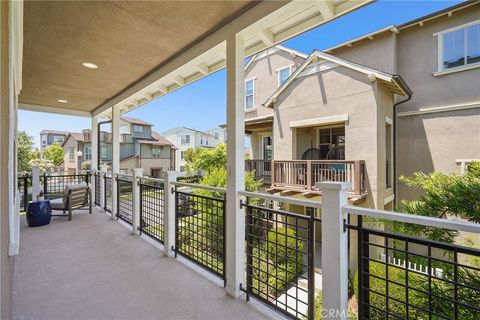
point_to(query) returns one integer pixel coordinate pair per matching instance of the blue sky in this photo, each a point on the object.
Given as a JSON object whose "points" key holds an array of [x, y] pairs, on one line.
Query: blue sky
{"points": [[201, 105]]}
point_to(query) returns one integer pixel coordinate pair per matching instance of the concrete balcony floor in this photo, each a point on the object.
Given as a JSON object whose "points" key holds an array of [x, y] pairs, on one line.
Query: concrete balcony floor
{"points": [[93, 268]]}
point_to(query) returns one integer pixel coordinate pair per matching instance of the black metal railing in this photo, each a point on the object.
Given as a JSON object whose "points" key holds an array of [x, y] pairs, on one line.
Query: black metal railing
{"points": [[107, 193], [152, 209], [125, 200], [24, 184], [54, 185], [200, 230], [97, 188], [280, 260], [406, 277]]}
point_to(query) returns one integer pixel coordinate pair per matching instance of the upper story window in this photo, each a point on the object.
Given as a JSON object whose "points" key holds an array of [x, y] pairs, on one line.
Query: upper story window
{"points": [[71, 154], [216, 135], [459, 47], [156, 152], [182, 155], [249, 89], [283, 75], [185, 139], [123, 129], [58, 139], [88, 153], [201, 139], [137, 128]]}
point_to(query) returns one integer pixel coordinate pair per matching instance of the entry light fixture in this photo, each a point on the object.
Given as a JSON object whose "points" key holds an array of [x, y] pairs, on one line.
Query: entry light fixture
{"points": [[89, 65]]}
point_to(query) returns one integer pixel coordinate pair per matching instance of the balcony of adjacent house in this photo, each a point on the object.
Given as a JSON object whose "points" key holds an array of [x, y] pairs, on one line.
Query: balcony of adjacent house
{"points": [[319, 155]]}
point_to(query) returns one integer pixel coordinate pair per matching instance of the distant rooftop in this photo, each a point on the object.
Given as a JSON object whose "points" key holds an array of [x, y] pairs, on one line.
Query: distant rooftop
{"points": [[136, 121]]}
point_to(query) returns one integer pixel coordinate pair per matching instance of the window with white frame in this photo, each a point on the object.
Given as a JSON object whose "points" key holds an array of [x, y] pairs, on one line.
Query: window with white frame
{"points": [[58, 139], [156, 153], [185, 139], [249, 90], [71, 154], [88, 153], [283, 75], [137, 128], [459, 47], [182, 155], [216, 135], [123, 129]]}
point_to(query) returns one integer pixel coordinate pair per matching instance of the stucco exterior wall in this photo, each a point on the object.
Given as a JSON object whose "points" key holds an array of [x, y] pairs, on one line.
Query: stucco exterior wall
{"points": [[332, 92], [264, 71], [70, 166]]}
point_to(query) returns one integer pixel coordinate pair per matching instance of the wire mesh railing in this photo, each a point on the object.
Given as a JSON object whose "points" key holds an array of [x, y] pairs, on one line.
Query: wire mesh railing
{"points": [[200, 229], [54, 185], [24, 185], [280, 259], [125, 199], [152, 209], [97, 188]]}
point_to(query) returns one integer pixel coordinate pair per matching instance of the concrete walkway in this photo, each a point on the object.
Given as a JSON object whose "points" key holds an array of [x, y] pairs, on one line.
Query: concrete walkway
{"points": [[93, 268]]}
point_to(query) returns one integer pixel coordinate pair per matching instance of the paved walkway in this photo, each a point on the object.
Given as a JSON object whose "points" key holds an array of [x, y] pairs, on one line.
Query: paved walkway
{"points": [[93, 268]]}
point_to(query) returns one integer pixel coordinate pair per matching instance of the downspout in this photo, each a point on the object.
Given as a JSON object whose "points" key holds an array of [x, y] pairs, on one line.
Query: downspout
{"points": [[409, 96]]}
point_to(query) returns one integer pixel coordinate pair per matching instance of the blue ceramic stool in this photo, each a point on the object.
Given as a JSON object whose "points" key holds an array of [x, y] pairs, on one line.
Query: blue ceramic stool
{"points": [[39, 213]]}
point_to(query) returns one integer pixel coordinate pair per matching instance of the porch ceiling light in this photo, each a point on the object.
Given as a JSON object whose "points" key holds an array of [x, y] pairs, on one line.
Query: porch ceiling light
{"points": [[89, 65], [62, 101]]}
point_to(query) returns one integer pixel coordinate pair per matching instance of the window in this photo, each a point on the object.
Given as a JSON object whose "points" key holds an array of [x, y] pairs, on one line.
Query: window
{"points": [[71, 154], [58, 139], [103, 152], [123, 129], [137, 128], [44, 142], [182, 155], [249, 94], [88, 153], [156, 153], [206, 141], [216, 135], [283, 75], [332, 143], [201, 139], [459, 47], [185, 139]]}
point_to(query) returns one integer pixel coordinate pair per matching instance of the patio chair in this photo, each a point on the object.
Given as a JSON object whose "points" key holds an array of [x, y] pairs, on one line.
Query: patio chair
{"points": [[77, 196]]}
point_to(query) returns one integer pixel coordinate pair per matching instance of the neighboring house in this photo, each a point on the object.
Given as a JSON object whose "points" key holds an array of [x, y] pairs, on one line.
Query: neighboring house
{"points": [[184, 138], [331, 115], [140, 147], [49, 137]]}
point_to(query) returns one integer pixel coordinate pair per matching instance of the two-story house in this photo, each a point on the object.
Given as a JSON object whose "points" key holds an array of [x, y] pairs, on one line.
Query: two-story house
{"points": [[332, 115], [184, 138], [140, 147], [49, 137]]}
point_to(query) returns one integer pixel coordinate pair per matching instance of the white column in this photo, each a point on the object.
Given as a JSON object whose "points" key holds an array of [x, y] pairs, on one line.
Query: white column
{"points": [[35, 182], [169, 217], [334, 250], [137, 174], [103, 171], [115, 156], [235, 219], [94, 153]]}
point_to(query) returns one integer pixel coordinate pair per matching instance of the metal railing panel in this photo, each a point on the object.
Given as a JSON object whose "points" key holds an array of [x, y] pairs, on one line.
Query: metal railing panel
{"points": [[152, 209], [108, 193], [54, 185], [125, 200]]}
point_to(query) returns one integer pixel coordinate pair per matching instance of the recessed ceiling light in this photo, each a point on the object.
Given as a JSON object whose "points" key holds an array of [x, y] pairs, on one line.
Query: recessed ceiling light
{"points": [[89, 65], [62, 101]]}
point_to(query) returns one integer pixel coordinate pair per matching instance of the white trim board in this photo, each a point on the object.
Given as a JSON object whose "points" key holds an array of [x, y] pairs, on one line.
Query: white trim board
{"points": [[50, 109], [439, 109], [319, 121]]}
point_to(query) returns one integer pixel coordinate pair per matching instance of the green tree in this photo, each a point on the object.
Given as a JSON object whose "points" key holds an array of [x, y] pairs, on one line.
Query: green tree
{"points": [[201, 159], [54, 153], [25, 151]]}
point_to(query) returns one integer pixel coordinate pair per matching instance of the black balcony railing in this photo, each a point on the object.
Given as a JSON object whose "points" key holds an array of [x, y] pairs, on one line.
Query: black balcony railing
{"points": [[108, 194], [125, 200], [24, 184], [54, 185], [200, 230], [280, 266], [152, 209], [405, 277], [97, 188]]}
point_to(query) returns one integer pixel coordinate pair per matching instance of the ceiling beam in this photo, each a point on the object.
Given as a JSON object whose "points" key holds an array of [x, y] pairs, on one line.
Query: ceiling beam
{"points": [[267, 37], [203, 68], [52, 109], [179, 80], [326, 8]]}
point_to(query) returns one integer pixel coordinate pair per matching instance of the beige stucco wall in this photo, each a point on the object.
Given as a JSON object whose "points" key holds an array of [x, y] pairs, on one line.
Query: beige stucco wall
{"points": [[70, 166], [428, 142], [146, 164], [338, 91], [264, 71]]}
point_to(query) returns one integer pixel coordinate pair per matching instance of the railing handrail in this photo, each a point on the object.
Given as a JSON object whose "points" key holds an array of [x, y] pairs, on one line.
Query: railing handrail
{"points": [[457, 225], [199, 186], [151, 179], [300, 202]]}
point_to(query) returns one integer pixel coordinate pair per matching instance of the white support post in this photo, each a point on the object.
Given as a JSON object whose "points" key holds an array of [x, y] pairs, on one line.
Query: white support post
{"points": [[103, 171], [235, 219], [115, 156], [334, 250], [137, 174], [35, 182], [94, 159], [169, 217]]}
